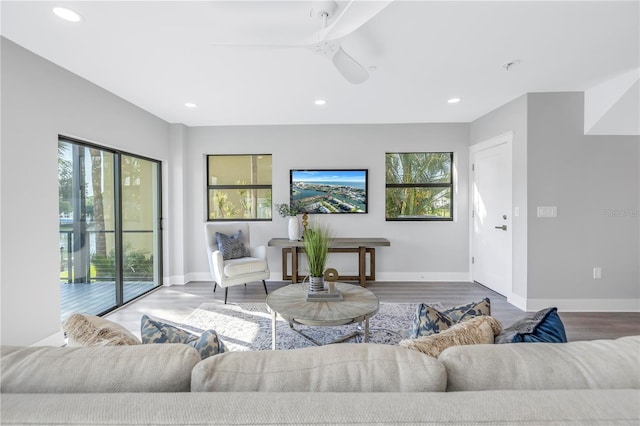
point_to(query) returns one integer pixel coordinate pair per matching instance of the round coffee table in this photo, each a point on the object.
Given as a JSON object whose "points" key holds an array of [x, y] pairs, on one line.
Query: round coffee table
{"points": [[290, 302]]}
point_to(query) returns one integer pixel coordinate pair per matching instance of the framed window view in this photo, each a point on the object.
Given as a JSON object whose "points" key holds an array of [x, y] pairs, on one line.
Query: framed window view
{"points": [[419, 186], [238, 187]]}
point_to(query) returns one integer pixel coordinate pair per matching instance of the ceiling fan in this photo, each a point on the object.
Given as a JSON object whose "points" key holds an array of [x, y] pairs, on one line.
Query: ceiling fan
{"points": [[327, 41]]}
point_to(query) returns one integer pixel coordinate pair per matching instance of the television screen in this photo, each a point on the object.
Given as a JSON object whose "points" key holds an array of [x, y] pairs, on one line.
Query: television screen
{"points": [[329, 191]]}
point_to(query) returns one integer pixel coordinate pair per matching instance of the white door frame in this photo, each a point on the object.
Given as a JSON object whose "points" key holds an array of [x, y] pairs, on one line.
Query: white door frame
{"points": [[505, 138]]}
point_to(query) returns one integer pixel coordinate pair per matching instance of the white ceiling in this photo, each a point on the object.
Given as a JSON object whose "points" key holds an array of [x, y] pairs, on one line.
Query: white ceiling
{"points": [[160, 54]]}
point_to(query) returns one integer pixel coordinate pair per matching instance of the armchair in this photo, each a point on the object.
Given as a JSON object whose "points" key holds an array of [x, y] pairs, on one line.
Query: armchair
{"points": [[240, 270]]}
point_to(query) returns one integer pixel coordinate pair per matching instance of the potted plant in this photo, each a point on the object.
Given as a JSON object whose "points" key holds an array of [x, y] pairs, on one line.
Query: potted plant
{"points": [[316, 246], [290, 211]]}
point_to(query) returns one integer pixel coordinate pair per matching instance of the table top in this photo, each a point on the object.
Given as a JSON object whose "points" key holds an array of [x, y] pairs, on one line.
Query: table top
{"points": [[290, 303], [335, 242]]}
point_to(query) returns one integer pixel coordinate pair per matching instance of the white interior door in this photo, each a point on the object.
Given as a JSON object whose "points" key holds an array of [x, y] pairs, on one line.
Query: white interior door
{"points": [[491, 235]]}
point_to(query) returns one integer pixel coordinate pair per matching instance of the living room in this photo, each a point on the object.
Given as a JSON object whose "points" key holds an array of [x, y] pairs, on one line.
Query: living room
{"points": [[554, 163]]}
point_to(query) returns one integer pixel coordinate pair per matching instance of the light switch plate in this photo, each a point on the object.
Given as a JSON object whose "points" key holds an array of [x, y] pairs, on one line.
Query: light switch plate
{"points": [[547, 211]]}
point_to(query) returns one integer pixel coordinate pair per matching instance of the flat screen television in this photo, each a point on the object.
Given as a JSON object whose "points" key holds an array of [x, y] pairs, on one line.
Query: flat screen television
{"points": [[329, 190]]}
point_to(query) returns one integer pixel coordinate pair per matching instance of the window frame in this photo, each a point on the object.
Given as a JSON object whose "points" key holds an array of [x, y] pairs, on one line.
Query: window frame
{"points": [[210, 187], [444, 185]]}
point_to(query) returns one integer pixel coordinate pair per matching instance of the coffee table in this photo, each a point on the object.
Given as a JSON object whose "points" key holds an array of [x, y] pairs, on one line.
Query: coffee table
{"points": [[358, 305]]}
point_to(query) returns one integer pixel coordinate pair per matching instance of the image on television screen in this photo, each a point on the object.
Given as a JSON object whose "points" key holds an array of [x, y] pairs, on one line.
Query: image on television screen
{"points": [[329, 191]]}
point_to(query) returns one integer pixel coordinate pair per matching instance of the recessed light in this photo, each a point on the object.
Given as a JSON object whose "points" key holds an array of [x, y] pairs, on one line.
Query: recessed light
{"points": [[190, 105], [454, 100], [320, 102], [67, 14]]}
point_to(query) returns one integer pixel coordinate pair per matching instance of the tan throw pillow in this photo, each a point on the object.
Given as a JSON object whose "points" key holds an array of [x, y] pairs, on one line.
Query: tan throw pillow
{"points": [[477, 330], [89, 330]]}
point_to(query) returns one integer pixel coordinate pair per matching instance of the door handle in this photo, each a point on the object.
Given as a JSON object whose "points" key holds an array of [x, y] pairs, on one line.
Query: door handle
{"points": [[503, 227]]}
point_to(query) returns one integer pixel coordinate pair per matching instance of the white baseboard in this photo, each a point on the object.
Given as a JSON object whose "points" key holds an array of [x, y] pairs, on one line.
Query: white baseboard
{"points": [[401, 276], [585, 305], [422, 276], [56, 339], [518, 301], [175, 280]]}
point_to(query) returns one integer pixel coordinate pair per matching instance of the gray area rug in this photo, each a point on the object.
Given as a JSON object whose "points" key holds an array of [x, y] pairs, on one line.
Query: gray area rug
{"points": [[247, 326]]}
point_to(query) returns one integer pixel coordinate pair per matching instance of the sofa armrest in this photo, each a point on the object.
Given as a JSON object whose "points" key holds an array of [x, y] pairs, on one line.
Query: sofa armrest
{"points": [[218, 266]]}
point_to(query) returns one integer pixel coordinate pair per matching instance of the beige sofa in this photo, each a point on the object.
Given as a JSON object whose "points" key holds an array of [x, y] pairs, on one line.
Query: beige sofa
{"points": [[578, 383]]}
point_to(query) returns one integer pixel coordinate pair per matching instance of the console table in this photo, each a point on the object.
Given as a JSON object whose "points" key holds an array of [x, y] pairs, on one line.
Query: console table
{"points": [[361, 246]]}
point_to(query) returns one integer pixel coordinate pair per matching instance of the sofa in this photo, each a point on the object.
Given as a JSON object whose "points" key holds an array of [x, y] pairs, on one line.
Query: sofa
{"points": [[577, 383]]}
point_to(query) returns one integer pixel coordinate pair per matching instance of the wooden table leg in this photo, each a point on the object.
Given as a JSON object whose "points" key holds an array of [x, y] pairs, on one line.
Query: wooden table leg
{"points": [[372, 263], [362, 265], [284, 263], [294, 265]]}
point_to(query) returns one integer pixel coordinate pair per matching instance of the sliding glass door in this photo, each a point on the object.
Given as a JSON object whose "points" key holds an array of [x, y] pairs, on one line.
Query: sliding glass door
{"points": [[110, 238]]}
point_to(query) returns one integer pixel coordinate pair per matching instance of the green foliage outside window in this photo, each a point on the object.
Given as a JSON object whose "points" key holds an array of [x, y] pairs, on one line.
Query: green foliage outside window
{"points": [[419, 186], [239, 187]]}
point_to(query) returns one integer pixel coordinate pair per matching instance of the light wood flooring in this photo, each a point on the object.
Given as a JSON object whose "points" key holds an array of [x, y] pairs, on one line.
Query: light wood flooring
{"points": [[176, 302]]}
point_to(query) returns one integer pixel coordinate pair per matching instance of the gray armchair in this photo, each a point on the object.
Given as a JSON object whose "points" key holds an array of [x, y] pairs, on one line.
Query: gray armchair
{"points": [[249, 267]]}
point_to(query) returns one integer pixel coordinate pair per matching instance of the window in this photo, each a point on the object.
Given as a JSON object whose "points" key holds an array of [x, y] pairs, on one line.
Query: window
{"points": [[239, 187], [110, 236], [419, 186]]}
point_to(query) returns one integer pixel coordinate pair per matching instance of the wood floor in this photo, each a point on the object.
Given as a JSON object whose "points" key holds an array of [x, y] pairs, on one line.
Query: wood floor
{"points": [[176, 302]]}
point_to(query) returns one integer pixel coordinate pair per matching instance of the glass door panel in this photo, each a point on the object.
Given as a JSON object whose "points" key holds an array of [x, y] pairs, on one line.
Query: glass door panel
{"points": [[87, 227], [140, 225]]}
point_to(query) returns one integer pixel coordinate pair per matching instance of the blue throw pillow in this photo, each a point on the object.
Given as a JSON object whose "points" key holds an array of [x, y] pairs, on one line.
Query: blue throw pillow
{"points": [[230, 245], [429, 320], [542, 326], [155, 331]]}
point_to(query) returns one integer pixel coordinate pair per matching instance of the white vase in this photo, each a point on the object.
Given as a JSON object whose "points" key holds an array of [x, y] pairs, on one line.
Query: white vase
{"points": [[294, 228]]}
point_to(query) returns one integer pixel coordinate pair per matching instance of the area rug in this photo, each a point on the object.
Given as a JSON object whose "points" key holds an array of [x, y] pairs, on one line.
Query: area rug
{"points": [[247, 326]]}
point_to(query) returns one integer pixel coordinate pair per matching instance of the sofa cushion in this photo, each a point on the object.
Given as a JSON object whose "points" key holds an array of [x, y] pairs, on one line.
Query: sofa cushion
{"points": [[156, 331], [349, 367], [477, 330], [430, 320], [231, 246], [542, 326], [90, 330], [597, 364], [616, 407], [243, 266], [137, 368]]}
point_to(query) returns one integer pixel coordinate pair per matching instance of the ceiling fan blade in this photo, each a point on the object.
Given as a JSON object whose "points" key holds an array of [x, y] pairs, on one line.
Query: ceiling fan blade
{"points": [[355, 14], [349, 67]]}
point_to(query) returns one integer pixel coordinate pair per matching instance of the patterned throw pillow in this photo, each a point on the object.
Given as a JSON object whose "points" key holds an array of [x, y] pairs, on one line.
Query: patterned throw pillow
{"points": [[429, 320], [155, 331], [478, 330], [230, 245], [542, 326]]}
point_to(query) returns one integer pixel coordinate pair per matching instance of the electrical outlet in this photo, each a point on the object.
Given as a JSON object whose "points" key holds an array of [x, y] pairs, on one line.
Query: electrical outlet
{"points": [[597, 273]]}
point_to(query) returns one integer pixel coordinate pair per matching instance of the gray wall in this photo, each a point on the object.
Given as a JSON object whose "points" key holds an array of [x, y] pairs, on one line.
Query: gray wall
{"points": [[594, 182], [40, 101], [418, 252]]}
